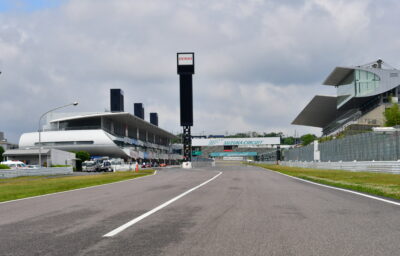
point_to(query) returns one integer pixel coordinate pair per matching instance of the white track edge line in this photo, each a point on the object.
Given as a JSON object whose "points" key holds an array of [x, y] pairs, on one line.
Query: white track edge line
{"points": [[340, 189], [62, 192], [154, 210]]}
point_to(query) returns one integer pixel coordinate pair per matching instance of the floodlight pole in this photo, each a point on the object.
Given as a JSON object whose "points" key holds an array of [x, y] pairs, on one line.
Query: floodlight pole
{"points": [[40, 130]]}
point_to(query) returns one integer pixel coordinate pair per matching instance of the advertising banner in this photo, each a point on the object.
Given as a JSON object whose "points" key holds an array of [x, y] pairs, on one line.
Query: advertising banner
{"points": [[219, 154], [236, 141]]}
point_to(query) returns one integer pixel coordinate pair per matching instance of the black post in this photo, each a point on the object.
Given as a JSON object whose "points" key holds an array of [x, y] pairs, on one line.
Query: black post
{"points": [[278, 154]]}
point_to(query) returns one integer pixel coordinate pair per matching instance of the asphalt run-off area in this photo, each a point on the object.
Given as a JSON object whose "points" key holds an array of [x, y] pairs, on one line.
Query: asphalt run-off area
{"points": [[231, 209]]}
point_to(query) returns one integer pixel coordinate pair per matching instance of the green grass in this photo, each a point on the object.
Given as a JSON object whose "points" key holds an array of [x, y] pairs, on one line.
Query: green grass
{"points": [[381, 184], [21, 187], [3, 166]]}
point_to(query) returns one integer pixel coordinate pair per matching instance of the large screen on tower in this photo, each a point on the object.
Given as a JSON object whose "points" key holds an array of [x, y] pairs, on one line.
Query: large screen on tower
{"points": [[185, 62]]}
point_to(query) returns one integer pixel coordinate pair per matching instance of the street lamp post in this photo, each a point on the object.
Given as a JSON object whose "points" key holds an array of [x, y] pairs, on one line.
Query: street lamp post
{"points": [[40, 119]]}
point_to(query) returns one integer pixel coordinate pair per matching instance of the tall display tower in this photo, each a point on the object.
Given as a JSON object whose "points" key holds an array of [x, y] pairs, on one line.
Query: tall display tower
{"points": [[185, 66]]}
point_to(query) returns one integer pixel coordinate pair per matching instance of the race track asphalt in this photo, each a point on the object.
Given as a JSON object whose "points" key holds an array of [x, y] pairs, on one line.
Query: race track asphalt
{"points": [[244, 211]]}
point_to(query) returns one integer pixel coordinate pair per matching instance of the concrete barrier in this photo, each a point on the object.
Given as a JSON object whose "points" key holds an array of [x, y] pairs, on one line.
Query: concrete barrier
{"points": [[12, 173], [124, 167], [203, 162]]}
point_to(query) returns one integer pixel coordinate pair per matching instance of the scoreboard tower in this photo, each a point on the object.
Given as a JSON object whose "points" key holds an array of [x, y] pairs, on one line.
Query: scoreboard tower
{"points": [[185, 67]]}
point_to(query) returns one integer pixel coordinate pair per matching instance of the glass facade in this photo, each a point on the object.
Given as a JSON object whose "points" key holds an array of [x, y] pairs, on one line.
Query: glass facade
{"points": [[345, 90], [357, 84], [81, 124], [366, 82]]}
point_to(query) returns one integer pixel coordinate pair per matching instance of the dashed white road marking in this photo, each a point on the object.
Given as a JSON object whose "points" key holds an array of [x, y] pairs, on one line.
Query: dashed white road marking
{"points": [[141, 217]]}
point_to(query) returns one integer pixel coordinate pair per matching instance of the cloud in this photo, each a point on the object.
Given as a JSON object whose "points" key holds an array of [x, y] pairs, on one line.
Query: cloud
{"points": [[257, 62]]}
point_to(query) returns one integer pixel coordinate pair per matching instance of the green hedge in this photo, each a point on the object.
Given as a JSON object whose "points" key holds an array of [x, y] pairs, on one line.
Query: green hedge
{"points": [[3, 166]]}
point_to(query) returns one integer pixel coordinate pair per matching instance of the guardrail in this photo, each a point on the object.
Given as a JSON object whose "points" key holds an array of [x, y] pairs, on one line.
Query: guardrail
{"points": [[12, 173], [354, 166]]}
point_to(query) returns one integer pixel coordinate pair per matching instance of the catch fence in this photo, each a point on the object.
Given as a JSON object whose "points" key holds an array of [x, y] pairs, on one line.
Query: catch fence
{"points": [[370, 146]]}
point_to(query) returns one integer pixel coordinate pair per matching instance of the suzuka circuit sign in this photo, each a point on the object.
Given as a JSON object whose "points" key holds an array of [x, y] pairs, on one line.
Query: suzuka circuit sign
{"points": [[236, 141]]}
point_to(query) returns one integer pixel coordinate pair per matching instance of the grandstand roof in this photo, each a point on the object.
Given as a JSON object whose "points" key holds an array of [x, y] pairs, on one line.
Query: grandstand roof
{"points": [[121, 117], [319, 112]]}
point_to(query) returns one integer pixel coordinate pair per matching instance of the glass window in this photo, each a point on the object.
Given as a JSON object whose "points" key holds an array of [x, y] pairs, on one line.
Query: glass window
{"points": [[84, 142], [366, 82], [81, 124], [345, 90], [357, 84]]}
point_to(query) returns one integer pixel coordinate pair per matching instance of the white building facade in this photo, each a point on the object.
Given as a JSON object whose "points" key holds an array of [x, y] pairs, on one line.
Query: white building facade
{"points": [[113, 134]]}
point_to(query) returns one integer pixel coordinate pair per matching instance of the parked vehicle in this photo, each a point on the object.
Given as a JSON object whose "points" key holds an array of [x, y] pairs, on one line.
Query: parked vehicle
{"points": [[163, 165], [106, 166], [15, 164], [90, 166]]}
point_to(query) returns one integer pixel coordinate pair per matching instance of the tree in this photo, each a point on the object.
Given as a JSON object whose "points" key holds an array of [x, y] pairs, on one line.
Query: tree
{"points": [[392, 115], [307, 139], [273, 134], [1, 153], [288, 141], [178, 139], [83, 155]]}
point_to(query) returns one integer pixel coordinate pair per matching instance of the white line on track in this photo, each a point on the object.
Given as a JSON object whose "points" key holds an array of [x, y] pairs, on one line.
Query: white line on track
{"points": [[141, 217], [62, 192], [340, 189]]}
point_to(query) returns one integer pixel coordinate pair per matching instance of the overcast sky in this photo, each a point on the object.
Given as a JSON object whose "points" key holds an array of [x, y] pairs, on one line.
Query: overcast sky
{"points": [[258, 63]]}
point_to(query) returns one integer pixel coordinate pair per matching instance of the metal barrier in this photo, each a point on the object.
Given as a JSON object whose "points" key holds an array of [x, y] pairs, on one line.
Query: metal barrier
{"points": [[124, 167], [7, 173], [305, 153]]}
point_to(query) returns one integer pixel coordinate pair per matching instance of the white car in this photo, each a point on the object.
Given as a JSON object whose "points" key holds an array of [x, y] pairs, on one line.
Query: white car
{"points": [[15, 164]]}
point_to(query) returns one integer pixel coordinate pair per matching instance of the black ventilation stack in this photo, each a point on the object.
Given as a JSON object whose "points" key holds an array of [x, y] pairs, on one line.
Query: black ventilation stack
{"points": [[117, 100], [138, 110], [154, 118]]}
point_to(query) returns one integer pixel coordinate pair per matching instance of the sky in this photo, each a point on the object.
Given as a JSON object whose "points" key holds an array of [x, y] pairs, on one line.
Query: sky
{"points": [[258, 63]]}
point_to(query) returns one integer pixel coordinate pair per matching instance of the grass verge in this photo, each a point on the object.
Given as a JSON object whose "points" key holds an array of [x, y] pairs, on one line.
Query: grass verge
{"points": [[381, 184], [22, 187]]}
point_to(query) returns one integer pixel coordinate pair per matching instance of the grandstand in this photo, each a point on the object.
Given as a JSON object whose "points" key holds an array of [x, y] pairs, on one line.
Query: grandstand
{"points": [[363, 93]]}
